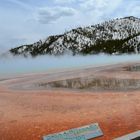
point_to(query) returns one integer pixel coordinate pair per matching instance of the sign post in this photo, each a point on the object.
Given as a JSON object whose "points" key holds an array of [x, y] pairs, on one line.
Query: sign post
{"points": [[81, 133]]}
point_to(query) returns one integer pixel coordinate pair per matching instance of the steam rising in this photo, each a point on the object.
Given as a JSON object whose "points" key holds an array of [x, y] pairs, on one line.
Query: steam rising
{"points": [[18, 65]]}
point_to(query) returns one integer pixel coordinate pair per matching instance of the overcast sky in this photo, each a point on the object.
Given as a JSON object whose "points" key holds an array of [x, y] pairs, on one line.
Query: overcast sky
{"points": [[27, 21]]}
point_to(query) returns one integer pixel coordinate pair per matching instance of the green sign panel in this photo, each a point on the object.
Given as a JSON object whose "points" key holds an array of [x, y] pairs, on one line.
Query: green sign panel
{"points": [[82, 133]]}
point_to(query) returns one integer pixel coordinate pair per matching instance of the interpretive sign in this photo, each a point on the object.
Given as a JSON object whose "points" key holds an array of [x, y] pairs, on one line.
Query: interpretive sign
{"points": [[81, 133], [132, 136]]}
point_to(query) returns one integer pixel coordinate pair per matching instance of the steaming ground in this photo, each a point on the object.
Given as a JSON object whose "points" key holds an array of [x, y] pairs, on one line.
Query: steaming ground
{"points": [[20, 65], [28, 112]]}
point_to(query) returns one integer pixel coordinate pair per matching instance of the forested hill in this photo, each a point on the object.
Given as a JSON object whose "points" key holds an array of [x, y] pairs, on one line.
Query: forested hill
{"points": [[112, 37]]}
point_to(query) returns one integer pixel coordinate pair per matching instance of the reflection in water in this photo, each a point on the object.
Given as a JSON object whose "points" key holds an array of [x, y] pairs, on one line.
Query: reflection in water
{"points": [[133, 68], [98, 83]]}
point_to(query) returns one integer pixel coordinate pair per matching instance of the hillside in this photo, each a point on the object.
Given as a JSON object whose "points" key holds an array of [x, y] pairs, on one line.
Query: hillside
{"points": [[112, 37]]}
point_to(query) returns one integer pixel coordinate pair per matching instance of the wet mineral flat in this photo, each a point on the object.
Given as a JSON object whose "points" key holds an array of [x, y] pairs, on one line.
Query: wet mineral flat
{"points": [[82, 133], [132, 136]]}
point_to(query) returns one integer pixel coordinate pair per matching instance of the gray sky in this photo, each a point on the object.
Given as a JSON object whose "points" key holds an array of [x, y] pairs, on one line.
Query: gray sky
{"points": [[27, 21]]}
